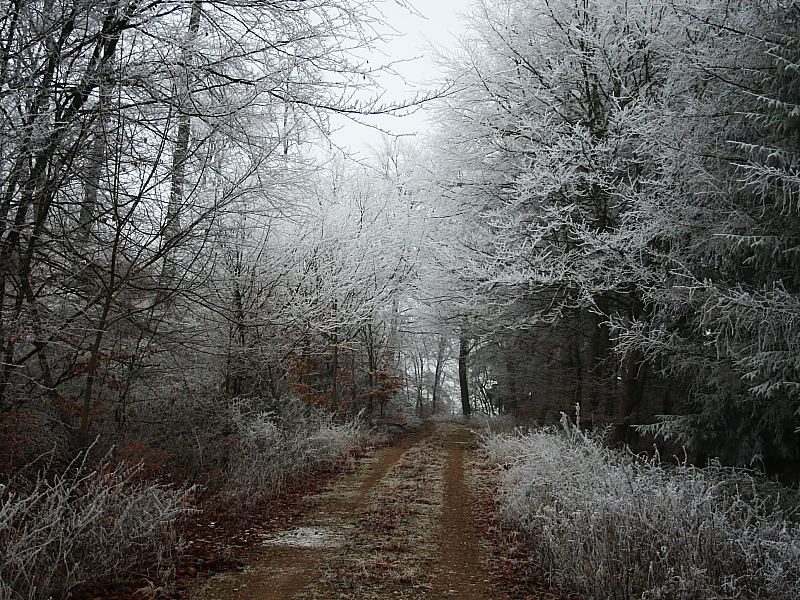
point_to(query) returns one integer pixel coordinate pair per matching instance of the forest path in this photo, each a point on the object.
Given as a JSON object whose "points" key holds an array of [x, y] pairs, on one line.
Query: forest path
{"points": [[399, 527]]}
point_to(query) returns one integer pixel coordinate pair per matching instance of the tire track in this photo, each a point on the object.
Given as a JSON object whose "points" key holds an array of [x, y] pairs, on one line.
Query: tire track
{"points": [[401, 528], [464, 573], [280, 571]]}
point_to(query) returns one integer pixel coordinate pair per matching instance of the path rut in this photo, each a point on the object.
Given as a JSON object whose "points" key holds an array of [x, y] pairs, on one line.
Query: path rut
{"points": [[400, 527]]}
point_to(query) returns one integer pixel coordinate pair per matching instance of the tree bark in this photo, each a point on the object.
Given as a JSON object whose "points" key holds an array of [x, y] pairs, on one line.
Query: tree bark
{"points": [[633, 387], [463, 354], [632, 392], [91, 372], [372, 367], [94, 170], [335, 373], [437, 374], [180, 154], [598, 351]]}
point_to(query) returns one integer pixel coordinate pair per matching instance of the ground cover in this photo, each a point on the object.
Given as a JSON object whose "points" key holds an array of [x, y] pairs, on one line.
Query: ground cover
{"points": [[401, 526], [611, 524]]}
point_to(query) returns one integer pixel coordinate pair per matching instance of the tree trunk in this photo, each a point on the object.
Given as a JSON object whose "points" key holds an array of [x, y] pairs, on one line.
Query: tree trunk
{"points": [[180, 154], [633, 387], [578, 366], [437, 374], [598, 351], [632, 392], [511, 402], [372, 367], [91, 370], [94, 169], [335, 373], [463, 354]]}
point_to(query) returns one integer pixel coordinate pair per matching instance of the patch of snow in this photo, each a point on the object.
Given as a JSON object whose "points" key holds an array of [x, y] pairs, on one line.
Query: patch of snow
{"points": [[305, 537]]}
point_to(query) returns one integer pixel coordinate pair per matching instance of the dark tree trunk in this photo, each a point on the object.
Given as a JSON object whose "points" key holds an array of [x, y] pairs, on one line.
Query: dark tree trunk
{"points": [[598, 352], [180, 156], [463, 354], [631, 392], [437, 376], [633, 388]]}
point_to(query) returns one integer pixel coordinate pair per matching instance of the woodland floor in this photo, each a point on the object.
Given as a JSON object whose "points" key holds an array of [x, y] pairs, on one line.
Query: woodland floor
{"points": [[412, 520], [407, 523]]}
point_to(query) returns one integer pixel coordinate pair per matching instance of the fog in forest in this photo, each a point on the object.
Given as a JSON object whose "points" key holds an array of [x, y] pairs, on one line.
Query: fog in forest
{"points": [[237, 237]]}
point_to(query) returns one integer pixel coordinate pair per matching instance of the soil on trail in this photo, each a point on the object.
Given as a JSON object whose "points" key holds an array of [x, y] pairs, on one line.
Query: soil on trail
{"points": [[401, 526]]}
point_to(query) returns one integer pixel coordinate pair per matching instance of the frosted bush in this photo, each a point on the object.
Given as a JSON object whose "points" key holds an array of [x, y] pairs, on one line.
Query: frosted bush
{"points": [[609, 524], [83, 526], [503, 449], [503, 423], [275, 449]]}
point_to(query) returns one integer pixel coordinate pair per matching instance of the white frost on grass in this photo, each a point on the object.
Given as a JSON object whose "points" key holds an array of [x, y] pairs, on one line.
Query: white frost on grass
{"points": [[306, 537], [610, 524]]}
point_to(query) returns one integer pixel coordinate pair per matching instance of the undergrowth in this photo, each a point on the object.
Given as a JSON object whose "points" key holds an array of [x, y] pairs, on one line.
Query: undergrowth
{"points": [[102, 520], [83, 525], [277, 448], [610, 524]]}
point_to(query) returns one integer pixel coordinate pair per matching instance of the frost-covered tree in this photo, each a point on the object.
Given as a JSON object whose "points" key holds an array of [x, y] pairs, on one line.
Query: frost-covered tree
{"points": [[311, 298], [540, 149], [129, 131], [728, 219], [633, 172]]}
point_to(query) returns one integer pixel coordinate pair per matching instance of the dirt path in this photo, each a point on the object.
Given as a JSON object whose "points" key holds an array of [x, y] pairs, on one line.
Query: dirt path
{"points": [[464, 575], [400, 527]]}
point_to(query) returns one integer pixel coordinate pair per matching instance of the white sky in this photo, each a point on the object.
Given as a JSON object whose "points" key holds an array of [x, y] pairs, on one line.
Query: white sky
{"points": [[440, 27]]}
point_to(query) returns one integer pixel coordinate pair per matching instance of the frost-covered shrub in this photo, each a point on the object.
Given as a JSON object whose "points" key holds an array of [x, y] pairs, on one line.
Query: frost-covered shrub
{"points": [[277, 448], [83, 526], [502, 423], [609, 524]]}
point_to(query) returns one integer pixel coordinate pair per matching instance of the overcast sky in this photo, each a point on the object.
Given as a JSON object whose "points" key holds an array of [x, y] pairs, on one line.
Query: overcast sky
{"points": [[439, 27]]}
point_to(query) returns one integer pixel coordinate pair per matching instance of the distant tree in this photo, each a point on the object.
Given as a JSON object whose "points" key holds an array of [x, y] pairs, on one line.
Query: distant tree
{"points": [[312, 302]]}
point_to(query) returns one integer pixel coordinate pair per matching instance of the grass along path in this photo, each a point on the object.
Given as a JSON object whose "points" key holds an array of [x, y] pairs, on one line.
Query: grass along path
{"points": [[399, 527]]}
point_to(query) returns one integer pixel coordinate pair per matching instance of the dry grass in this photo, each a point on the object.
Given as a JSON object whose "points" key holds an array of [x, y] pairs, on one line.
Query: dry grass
{"points": [[392, 551], [612, 525], [276, 450], [82, 526], [93, 524]]}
